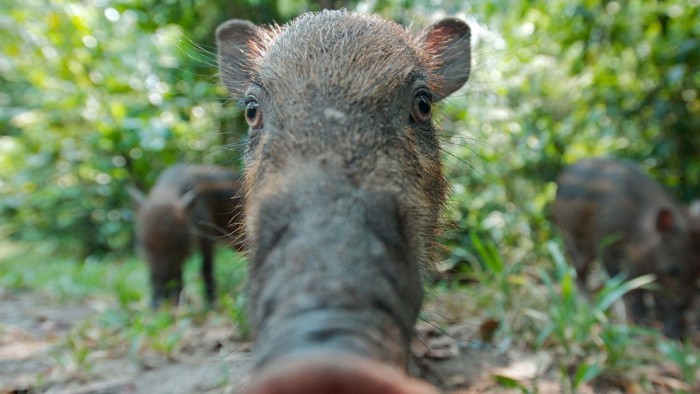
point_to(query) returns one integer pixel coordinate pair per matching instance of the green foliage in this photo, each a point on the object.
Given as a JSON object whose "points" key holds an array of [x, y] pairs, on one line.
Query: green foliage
{"points": [[553, 82], [98, 95], [589, 342], [104, 94], [41, 269], [590, 78], [500, 284], [556, 81], [38, 268], [512, 384], [684, 356]]}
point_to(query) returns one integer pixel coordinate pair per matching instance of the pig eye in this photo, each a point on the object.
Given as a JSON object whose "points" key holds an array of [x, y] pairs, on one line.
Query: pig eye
{"points": [[253, 115], [674, 271], [421, 107]]}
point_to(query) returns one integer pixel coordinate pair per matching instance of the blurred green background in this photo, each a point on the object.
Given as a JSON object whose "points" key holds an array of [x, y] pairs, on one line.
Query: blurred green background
{"points": [[96, 95]]}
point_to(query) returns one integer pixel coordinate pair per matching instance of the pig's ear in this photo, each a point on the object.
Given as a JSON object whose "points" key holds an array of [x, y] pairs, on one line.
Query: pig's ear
{"points": [[238, 44], [188, 198], [137, 197], [694, 208], [448, 44], [664, 221]]}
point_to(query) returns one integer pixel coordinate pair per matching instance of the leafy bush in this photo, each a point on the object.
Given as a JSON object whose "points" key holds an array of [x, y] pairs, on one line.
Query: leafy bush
{"points": [[100, 95]]}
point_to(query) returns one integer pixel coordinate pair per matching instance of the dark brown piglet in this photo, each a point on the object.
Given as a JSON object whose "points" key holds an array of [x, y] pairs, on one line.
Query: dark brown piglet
{"points": [[611, 209], [190, 206], [345, 189]]}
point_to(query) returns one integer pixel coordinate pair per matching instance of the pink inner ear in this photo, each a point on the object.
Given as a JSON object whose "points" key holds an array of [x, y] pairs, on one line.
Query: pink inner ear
{"points": [[447, 44], [664, 220]]}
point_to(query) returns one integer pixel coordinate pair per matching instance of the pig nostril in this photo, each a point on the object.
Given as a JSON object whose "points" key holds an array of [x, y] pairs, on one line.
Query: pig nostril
{"points": [[327, 335]]}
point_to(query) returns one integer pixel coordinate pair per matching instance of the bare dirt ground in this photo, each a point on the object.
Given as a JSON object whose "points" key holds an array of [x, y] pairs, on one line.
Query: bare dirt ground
{"points": [[34, 327]]}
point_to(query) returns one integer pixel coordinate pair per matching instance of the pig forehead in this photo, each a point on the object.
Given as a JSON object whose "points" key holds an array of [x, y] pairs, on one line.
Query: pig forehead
{"points": [[342, 34], [342, 54]]}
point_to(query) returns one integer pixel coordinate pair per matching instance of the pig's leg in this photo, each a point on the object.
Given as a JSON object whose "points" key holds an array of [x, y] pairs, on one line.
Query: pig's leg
{"points": [[207, 247]]}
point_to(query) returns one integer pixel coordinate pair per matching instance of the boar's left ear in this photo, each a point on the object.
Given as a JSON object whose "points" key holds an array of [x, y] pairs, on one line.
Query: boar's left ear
{"points": [[238, 43], [448, 43], [664, 220]]}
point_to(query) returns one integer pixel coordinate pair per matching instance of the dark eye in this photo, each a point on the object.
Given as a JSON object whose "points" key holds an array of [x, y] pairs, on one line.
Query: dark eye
{"points": [[421, 107], [253, 114], [673, 270]]}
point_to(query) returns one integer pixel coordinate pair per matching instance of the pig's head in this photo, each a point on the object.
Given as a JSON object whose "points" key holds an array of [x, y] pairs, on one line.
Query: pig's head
{"points": [[677, 258], [343, 178]]}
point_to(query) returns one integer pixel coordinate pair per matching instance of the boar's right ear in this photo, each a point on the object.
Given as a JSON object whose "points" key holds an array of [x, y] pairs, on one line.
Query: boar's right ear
{"points": [[694, 208], [188, 198], [448, 43], [137, 197], [238, 45]]}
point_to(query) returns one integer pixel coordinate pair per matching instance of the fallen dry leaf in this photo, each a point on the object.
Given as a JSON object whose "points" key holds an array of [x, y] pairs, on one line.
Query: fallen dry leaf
{"points": [[23, 349], [526, 369], [670, 383]]}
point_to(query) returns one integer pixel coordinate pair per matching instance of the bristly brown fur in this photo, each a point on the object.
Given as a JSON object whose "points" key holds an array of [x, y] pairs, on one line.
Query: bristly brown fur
{"points": [[319, 63], [344, 180]]}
